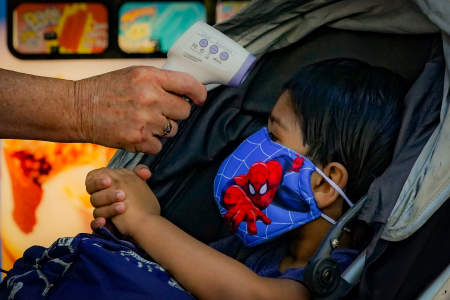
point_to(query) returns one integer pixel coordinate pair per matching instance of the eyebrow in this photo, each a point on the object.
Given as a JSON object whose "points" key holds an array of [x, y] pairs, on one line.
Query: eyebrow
{"points": [[274, 119]]}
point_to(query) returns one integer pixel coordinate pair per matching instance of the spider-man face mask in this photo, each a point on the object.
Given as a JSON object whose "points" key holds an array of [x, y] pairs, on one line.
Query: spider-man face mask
{"points": [[263, 189]]}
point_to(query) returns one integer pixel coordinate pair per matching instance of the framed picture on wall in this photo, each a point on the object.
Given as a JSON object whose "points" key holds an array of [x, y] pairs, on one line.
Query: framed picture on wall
{"points": [[98, 29]]}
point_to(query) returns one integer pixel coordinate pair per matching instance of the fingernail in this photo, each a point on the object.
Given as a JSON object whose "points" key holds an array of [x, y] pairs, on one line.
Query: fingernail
{"points": [[106, 181], [120, 195], [120, 207]]}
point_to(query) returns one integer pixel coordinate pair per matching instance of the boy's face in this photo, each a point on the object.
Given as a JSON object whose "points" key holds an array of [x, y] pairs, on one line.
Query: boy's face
{"points": [[284, 127]]}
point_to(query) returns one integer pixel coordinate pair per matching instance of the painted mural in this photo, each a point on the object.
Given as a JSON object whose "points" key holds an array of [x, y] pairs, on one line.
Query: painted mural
{"points": [[148, 27], [43, 194], [66, 28]]}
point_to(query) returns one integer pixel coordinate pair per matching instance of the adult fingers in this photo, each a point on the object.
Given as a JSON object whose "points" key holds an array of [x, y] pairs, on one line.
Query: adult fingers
{"points": [[110, 210], [107, 197], [158, 123], [173, 129], [169, 125], [151, 145], [175, 107], [143, 172], [97, 180], [183, 84]]}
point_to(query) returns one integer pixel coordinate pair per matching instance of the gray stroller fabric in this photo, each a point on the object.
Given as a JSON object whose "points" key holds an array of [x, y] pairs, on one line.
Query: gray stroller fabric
{"points": [[426, 189], [428, 185], [403, 184], [421, 116], [264, 26]]}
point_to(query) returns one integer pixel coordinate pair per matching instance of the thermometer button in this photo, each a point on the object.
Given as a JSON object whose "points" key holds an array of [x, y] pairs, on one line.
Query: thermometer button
{"points": [[203, 42], [213, 49], [224, 55]]}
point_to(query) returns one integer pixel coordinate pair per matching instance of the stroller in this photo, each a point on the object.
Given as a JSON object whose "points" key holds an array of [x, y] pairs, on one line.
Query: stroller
{"points": [[406, 207]]}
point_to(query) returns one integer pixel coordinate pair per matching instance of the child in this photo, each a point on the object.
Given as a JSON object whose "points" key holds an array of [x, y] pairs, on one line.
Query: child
{"points": [[339, 118], [333, 129]]}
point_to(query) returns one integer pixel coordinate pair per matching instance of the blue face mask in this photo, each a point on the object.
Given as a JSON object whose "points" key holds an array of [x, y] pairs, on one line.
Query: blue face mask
{"points": [[263, 189]]}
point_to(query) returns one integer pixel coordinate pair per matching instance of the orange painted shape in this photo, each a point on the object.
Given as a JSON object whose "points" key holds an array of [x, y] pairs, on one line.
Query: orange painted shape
{"points": [[26, 193], [72, 31]]}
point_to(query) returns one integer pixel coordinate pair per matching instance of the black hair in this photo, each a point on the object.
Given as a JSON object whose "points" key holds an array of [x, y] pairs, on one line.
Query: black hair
{"points": [[349, 112]]}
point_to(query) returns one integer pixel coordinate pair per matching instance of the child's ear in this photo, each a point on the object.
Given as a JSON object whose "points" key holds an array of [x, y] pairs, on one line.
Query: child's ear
{"points": [[324, 193]]}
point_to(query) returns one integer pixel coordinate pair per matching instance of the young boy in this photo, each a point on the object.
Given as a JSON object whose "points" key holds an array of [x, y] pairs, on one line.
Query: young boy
{"points": [[340, 118]]}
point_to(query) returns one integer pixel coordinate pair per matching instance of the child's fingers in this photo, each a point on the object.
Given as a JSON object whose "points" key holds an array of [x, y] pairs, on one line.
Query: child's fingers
{"points": [[107, 197], [143, 172], [97, 223], [97, 180], [110, 210]]}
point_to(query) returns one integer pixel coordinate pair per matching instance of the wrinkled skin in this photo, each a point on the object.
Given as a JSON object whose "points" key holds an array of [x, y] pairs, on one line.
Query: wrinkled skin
{"points": [[129, 108]]}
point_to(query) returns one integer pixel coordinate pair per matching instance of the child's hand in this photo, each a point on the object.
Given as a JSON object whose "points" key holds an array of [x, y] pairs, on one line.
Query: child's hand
{"points": [[127, 195], [98, 180]]}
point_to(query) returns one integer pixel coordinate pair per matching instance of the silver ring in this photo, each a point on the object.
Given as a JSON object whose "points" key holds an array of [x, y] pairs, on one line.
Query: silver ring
{"points": [[168, 129]]}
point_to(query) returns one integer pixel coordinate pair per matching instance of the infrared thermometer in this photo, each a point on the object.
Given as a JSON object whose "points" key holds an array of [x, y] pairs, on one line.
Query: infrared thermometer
{"points": [[210, 56]]}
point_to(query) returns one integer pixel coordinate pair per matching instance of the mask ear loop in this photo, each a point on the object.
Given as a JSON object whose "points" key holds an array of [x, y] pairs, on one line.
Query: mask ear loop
{"points": [[332, 221], [335, 186], [340, 191]]}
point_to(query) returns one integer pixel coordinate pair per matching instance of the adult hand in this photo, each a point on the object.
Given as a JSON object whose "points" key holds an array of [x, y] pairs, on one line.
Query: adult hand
{"points": [[132, 108], [106, 198]]}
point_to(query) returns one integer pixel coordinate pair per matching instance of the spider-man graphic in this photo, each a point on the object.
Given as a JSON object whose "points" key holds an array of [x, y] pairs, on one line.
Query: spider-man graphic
{"points": [[253, 192]]}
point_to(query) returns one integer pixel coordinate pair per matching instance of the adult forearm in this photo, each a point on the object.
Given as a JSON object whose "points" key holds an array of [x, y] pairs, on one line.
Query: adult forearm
{"points": [[34, 107], [128, 108]]}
